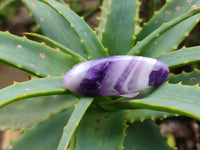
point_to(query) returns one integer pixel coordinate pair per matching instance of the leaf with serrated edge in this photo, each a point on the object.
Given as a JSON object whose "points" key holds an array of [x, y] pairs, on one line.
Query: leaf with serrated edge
{"points": [[54, 26], [170, 40], [181, 57], [190, 78], [175, 98], [88, 38], [119, 27], [104, 10], [144, 114], [100, 130], [33, 57], [58, 45], [24, 114], [74, 121], [161, 30], [145, 135], [171, 10], [32, 88], [45, 135]]}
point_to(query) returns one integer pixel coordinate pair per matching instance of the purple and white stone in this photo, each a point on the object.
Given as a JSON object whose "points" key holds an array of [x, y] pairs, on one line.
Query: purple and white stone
{"points": [[115, 75]]}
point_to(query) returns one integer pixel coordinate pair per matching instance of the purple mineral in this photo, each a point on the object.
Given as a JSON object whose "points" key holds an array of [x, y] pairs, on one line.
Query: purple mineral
{"points": [[115, 75]]}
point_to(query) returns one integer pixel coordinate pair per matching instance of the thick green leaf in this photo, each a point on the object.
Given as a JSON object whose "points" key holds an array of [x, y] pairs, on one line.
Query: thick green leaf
{"points": [[144, 114], [175, 98], [24, 114], [103, 18], [119, 27], [74, 121], [100, 130], [58, 45], [171, 10], [45, 135], [161, 30], [32, 88], [145, 135], [170, 40], [88, 38], [33, 57], [181, 57], [191, 78], [54, 26]]}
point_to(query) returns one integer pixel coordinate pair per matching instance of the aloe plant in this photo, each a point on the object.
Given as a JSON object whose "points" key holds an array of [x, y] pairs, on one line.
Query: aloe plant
{"points": [[71, 121], [7, 10]]}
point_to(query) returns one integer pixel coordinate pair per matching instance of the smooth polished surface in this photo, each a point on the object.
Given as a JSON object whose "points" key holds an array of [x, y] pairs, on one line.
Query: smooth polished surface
{"points": [[115, 75]]}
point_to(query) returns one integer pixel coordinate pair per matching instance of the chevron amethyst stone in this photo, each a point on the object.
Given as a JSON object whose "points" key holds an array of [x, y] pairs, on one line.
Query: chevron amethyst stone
{"points": [[115, 75]]}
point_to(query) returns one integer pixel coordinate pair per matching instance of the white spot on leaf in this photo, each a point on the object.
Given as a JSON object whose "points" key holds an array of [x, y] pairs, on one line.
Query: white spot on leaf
{"points": [[54, 96], [32, 4], [41, 19], [32, 65], [19, 46], [194, 6]]}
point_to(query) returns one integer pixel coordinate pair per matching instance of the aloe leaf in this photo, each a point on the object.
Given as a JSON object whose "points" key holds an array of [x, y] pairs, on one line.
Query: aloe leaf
{"points": [[26, 113], [58, 45], [74, 121], [145, 114], [103, 18], [54, 26], [161, 30], [32, 88], [119, 27], [181, 57], [100, 130], [171, 10], [143, 135], [175, 98], [88, 38], [33, 57], [191, 78], [45, 135], [7, 10], [170, 40]]}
